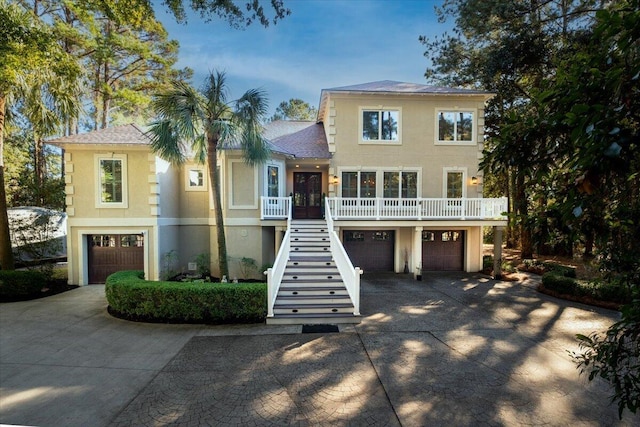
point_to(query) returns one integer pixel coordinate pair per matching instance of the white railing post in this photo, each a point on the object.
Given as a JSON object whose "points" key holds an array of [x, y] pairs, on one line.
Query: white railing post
{"points": [[350, 275], [276, 272]]}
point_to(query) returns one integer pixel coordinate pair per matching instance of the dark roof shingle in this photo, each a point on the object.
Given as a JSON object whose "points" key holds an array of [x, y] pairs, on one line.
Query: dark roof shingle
{"points": [[129, 134], [301, 139]]}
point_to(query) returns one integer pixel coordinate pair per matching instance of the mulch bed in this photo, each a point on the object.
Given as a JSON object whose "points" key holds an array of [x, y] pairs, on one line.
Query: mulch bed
{"points": [[581, 299]]}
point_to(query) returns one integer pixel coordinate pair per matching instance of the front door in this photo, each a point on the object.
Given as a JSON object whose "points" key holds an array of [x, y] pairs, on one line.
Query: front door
{"points": [[307, 195]]}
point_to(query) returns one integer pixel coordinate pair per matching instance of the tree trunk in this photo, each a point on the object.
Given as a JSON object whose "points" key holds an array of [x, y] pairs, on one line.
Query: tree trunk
{"points": [[214, 178], [522, 212], [6, 255]]}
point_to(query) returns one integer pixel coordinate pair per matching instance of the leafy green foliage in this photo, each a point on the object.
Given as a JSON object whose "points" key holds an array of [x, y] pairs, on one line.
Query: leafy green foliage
{"points": [[294, 109], [20, 284], [616, 358], [130, 295]]}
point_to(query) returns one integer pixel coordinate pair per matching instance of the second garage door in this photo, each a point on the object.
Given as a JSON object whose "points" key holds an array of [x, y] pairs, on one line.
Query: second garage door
{"points": [[371, 250], [109, 253], [442, 250]]}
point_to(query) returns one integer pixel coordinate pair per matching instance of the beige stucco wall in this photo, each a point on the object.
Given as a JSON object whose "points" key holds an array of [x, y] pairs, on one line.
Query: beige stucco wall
{"points": [[416, 149]]}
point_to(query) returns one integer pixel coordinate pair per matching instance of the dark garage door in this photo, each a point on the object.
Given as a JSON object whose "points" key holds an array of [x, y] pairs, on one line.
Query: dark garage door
{"points": [[442, 250], [109, 253], [370, 250]]}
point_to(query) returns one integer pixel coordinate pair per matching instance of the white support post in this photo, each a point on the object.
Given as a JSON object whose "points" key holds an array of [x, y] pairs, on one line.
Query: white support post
{"points": [[417, 252]]}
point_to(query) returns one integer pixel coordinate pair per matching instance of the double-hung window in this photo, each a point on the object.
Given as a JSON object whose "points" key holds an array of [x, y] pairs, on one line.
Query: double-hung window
{"points": [[455, 127], [380, 125], [111, 181], [400, 184]]}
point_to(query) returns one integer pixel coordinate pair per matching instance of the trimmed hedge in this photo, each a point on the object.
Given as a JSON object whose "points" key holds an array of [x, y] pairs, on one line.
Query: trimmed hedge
{"points": [[604, 292], [132, 297], [15, 284], [541, 267]]}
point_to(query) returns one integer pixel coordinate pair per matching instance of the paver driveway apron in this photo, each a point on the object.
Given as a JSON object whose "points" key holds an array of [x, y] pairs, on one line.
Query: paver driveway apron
{"points": [[453, 349]]}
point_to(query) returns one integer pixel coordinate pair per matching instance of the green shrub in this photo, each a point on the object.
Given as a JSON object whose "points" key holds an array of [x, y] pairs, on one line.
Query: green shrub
{"points": [[21, 283], [562, 270], [560, 284], [131, 296], [601, 291]]}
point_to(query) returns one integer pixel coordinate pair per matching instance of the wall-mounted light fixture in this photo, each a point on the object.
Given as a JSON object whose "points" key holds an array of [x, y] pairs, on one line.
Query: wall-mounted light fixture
{"points": [[474, 180], [334, 180]]}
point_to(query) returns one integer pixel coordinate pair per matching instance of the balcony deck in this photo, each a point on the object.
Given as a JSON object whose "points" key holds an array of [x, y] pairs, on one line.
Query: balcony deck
{"points": [[380, 209]]}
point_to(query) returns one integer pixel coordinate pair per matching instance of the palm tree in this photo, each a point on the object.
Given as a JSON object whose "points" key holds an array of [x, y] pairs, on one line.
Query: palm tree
{"points": [[31, 59], [207, 121]]}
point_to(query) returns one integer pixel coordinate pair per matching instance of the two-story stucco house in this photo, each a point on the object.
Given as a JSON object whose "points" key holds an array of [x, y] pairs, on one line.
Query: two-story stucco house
{"points": [[389, 170]]}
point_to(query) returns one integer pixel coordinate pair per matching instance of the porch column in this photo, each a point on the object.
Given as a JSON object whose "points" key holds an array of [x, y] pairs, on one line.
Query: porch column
{"points": [[279, 235], [497, 252], [417, 251]]}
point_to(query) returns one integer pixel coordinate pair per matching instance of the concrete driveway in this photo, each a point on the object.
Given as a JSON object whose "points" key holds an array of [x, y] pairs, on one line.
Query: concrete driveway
{"points": [[454, 349]]}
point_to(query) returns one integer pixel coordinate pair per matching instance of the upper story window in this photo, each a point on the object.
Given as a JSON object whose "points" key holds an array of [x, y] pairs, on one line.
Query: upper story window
{"points": [[111, 181], [380, 125], [455, 127], [196, 178]]}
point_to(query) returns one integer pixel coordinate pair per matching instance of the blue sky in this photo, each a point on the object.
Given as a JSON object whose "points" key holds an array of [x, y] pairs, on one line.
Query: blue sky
{"points": [[322, 44]]}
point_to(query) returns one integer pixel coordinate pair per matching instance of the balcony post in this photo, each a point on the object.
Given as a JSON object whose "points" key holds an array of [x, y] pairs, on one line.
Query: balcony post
{"points": [[417, 252], [497, 252]]}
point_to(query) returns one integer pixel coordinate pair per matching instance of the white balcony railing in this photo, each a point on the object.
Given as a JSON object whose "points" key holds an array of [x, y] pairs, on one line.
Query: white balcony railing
{"points": [[345, 208], [275, 207]]}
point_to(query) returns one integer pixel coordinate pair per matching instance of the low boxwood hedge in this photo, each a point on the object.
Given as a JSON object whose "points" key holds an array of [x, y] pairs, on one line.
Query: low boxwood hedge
{"points": [[19, 284], [132, 297], [584, 291]]}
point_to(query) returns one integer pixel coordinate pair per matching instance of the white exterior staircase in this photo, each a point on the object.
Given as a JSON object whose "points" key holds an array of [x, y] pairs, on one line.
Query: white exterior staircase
{"points": [[311, 291]]}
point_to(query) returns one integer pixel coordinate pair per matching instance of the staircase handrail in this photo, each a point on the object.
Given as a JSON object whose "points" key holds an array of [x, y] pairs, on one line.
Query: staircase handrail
{"points": [[276, 272], [350, 274]]}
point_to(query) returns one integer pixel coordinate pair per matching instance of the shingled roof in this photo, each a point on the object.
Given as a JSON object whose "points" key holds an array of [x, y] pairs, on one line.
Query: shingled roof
{"points": [[301, 139], [391, 86], [400, 88], [117, 135]]}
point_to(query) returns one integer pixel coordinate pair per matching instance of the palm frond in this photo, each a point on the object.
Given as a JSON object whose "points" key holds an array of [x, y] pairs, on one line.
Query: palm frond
{"points": [[166, 141], [215, 91], [250, 111], [181, 116]]}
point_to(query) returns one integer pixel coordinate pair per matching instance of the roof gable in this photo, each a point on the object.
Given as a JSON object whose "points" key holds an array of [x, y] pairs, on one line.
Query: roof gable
{"points": [[300, 139]]}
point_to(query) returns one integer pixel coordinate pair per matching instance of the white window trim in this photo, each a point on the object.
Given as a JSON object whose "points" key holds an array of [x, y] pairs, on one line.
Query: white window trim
{"points": [[379, 141], [445, 171], [99, 204], [474, 126], [205, 178], [255, 187], [282, 178], [380, 177]]}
